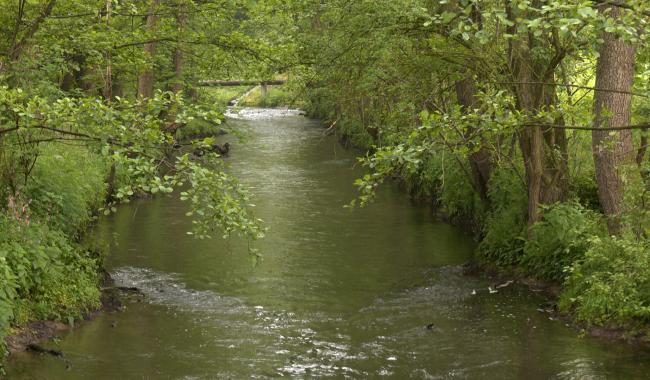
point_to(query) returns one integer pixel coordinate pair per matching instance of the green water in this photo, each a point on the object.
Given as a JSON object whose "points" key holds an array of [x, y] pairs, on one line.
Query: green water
{"points": [[338, 293]]}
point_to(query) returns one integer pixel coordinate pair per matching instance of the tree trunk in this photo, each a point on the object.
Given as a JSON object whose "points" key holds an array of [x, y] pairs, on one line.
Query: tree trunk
{"points": [[67, 82], [555, 181], [146, 78], [108, 96], [543, 148], [615, 71], [479, 159], [108, 76], [531, 139], [18, 45], [178, 58]]}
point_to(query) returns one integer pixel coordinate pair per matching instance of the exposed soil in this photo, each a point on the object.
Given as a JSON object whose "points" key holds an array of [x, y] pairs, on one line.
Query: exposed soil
{"points": [[32, 335]]}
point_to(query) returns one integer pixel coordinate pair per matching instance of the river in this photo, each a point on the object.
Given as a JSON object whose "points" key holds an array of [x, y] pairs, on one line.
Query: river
{"points": [[364, 293]]}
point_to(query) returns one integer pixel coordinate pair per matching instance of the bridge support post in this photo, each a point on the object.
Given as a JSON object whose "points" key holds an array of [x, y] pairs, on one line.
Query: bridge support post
{"points": [[265, 90]]}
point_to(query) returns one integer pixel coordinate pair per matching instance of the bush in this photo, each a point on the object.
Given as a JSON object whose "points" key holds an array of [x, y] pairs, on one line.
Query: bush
{"points": [[505, 226], [354, 134], [441, 176], [66, 187], [200, 129], [584, 187], [559, 239], [44, 276], [612, 283], [457, 195], [425, 181]]}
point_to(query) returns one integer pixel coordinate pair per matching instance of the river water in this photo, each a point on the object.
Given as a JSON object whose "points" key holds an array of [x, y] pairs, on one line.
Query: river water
{"points": [[338, 293]]}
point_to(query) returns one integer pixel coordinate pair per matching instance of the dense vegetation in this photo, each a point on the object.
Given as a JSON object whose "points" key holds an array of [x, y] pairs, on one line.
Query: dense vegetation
{"points": [[527, 118], [93, 96]]}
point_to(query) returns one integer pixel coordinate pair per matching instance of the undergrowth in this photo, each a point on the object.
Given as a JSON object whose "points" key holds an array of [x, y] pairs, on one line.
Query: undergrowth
{"points": [[45, 274]]}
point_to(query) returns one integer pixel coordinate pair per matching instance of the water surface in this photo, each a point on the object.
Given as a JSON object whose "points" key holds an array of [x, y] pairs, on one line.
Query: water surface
{"points": [[339, 293]]}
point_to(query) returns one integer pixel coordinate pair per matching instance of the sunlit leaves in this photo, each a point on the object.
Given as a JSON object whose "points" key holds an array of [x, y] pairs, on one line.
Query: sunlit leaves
{"points": [[216, 199], [133, 138]]}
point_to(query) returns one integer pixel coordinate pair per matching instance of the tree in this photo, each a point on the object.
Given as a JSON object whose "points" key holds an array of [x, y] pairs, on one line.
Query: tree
{"points": [[146, 78], [612, 109]]}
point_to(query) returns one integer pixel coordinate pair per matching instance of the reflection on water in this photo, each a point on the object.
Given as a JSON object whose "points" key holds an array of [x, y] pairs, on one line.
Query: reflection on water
{"points": [[376, 292]]}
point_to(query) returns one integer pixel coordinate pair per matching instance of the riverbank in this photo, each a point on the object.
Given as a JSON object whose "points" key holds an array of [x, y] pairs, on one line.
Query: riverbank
{"points": [[51, 275], [339, 292], [636, 336], [591, 280], [275, 96], [498, 276], [34, 334]]}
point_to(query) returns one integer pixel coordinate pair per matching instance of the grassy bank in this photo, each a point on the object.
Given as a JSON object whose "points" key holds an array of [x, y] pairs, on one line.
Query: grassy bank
{"points": [[277, 96], [221, 96], [46, 273]]}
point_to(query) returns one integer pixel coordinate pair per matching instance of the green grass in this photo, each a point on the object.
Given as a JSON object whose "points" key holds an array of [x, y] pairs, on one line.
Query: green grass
{"points": [[220, 96], [277, 96]]}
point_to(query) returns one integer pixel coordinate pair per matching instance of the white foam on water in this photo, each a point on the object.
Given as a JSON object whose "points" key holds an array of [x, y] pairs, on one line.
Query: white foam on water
{"points": [[250, 113]]}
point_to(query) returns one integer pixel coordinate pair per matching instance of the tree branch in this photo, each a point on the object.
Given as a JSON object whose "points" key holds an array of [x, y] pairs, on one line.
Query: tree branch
{"points": [[16, 50]]}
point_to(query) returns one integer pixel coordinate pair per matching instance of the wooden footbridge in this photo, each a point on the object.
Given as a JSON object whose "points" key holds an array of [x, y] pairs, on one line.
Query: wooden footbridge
{"points": [[235, 83]]}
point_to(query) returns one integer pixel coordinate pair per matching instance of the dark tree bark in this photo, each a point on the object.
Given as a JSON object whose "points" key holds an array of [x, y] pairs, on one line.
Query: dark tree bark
{"points": [[146, 78], [68, 82], [615, 71], [108, 75], [480, 159], [543, 148], [178, 57]]}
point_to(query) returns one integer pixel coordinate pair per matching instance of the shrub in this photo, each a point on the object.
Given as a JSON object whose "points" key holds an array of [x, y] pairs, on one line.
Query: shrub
{"points": [[199, 129], [611, 283], [505, 226], [456, 193], [584, 187], [220, 96], [425, 181], [354, 133], [44, 276], [66, 187], [559, 239]]}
